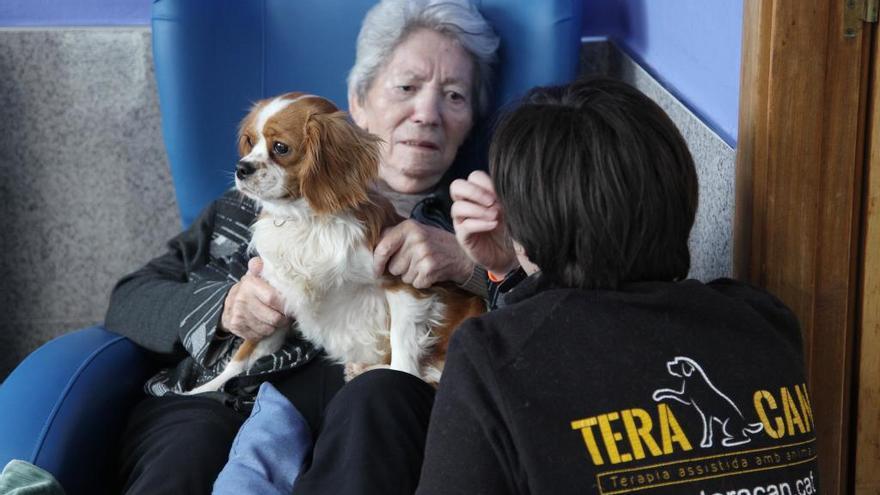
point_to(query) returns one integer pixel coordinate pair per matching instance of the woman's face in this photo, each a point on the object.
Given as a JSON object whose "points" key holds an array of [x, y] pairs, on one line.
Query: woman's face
{"points": [[421, 105]]}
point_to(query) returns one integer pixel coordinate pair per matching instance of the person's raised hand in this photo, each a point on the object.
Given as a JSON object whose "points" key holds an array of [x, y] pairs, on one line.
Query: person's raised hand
{"points": [[479, 223], [253, 309], [421, 255]]}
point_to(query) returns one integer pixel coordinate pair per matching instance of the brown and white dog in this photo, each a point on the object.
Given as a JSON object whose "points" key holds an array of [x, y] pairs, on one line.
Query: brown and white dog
{"points": [[311, 171]]}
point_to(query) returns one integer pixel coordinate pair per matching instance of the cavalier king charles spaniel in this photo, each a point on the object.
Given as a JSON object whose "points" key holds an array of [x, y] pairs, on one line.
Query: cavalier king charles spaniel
{"points": [[311, 171]]}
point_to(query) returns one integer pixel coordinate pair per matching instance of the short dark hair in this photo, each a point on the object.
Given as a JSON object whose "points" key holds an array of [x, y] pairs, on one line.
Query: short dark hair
{"points": [[597, 185]]}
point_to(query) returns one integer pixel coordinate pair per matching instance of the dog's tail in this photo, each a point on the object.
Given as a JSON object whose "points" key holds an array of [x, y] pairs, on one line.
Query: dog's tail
{"points": [[753, 428]]}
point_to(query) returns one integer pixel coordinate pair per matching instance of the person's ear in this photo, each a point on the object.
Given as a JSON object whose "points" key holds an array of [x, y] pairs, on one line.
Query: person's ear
{"points": [[527, 264], [356, 110]]}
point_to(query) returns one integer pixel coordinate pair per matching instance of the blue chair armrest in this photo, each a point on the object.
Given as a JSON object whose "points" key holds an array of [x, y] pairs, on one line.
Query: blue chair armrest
{"points": [[63, 408]]}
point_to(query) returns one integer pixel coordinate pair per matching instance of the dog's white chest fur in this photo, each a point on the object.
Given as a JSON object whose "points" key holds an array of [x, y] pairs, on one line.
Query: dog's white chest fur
{"points": [[323, 270]]}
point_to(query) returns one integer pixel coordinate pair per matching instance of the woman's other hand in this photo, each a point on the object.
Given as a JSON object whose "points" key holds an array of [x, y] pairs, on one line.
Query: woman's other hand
{"points": [[479, 223], [421, 255], [253, 309]]}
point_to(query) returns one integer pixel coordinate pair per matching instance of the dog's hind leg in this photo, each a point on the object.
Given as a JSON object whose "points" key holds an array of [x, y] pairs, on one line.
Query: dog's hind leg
{"points": [[232, 369], [411, 320], [239, 363], [245, 357], [741, 434]]}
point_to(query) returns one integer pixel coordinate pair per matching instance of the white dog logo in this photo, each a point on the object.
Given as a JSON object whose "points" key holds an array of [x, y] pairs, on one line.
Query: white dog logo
{"points": [[710, 403]]}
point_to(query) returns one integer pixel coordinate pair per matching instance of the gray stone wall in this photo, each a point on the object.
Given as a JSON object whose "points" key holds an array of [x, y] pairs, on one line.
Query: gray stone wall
{"points": [[86, 191]]}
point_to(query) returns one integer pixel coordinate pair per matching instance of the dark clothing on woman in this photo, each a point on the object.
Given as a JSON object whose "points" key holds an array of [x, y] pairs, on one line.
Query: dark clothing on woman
{"points": [[655, 388], [178, 444], [371, 436], [172, 306], [175, 302]]}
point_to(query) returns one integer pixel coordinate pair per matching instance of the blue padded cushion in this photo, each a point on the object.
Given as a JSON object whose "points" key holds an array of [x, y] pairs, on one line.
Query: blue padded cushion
{"points": [[214, 59], [269, 449], [63, 408]]}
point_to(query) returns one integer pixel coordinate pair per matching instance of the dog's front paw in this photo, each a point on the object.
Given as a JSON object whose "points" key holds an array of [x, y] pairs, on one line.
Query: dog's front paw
{"points": [[662, 394]]}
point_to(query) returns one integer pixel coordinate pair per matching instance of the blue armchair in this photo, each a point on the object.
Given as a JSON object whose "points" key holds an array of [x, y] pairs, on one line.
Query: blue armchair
{"points": [[64, 407]]}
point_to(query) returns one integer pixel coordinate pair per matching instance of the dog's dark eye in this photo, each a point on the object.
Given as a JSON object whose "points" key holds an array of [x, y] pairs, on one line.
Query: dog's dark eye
{"points": [[280, 148]]}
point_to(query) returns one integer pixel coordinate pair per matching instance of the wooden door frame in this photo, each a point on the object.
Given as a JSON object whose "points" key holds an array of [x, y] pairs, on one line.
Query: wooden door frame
{"points": [[798, 224], [867, 448]]}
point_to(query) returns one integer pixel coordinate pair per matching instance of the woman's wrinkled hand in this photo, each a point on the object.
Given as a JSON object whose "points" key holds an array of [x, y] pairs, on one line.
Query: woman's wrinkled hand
{"points": [[253, 309], [421, 255], [479, 223]]}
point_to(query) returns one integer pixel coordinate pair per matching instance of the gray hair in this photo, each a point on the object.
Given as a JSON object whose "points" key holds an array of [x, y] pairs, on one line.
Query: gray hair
{"points": [[388, 24]]}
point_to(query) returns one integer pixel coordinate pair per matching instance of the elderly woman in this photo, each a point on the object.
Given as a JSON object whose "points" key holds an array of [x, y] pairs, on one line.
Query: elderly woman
{"points": [[421, 77]]}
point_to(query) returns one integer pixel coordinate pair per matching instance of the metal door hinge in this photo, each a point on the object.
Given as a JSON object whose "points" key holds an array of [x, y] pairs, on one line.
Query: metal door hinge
{"points": [[856, 12]]}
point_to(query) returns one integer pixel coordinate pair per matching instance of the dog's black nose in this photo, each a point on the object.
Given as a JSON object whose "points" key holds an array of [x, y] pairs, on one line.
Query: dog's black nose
{"points": [[243, 169]]}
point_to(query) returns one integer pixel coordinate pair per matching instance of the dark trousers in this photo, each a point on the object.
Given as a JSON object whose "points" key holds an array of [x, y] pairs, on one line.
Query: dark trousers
{"points": [[370, 437], [373, 438]]}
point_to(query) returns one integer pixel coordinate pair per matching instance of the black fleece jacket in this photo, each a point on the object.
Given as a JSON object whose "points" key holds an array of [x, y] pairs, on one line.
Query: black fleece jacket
{"points": [[656, 388]]}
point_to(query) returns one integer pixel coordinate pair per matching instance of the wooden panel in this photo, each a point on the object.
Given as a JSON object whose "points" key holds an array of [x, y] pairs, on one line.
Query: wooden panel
{"points": [[799, 166], [749, 220], [867, 460]]}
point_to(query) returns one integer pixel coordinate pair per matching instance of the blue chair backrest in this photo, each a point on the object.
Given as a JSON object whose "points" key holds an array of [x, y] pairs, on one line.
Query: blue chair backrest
{"points": [[214, 58]]}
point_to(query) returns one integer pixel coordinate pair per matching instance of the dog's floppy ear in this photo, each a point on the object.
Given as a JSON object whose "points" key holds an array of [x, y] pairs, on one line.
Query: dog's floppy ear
{"points": [[687, 369], [339, 164]]}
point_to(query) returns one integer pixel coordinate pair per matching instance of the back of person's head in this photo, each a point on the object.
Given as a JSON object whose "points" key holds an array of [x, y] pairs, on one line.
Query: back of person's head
{"points": [[597, 185], [389, 23]]}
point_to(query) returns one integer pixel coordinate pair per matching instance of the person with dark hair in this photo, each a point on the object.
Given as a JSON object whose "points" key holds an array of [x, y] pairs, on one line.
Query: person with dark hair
{"points": [[605, 370]]}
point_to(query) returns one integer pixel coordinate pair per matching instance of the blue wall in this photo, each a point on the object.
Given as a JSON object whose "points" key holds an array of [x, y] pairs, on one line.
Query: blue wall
{"points": [[691, 46], [74, 12]]}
